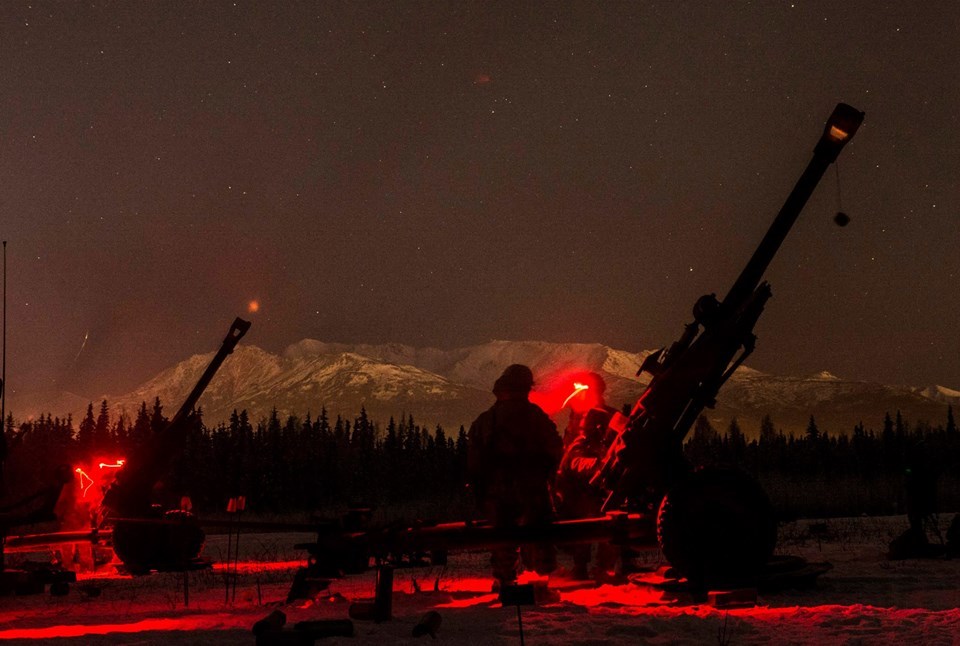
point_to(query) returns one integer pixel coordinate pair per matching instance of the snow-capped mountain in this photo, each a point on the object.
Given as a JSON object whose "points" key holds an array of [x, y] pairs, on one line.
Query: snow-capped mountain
{"points": [[451, 387]]}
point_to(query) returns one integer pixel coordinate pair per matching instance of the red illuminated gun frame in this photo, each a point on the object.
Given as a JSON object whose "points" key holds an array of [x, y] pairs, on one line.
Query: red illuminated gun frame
{"points": [[174, 542], [715, 526]]}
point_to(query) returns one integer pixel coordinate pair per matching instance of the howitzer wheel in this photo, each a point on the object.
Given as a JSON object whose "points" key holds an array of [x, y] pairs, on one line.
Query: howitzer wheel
{"points": [[169, 543], [717, 528]]}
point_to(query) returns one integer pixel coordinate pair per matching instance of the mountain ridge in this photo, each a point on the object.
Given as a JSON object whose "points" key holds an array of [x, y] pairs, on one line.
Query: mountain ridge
{"points": [[451, 387]]}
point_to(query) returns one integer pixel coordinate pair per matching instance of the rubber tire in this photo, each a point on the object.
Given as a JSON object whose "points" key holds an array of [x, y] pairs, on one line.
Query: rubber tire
{"points": [[170, 544], [717, 528]]}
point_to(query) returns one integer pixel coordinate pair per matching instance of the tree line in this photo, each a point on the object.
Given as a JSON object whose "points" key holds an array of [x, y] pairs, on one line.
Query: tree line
{"points": [[279, 465], [307, 463]]}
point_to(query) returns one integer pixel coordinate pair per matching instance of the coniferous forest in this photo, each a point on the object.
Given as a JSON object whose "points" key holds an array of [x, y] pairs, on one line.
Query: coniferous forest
{"points": [[308, 464]]}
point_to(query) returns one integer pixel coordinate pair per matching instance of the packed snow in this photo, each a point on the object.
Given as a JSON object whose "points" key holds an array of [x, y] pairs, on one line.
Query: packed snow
{"points": [[864, 599]]}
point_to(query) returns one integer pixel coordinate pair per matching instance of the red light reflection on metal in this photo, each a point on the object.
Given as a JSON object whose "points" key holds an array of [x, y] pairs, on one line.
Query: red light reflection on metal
{"points": [[116, 465], [638, 408]]}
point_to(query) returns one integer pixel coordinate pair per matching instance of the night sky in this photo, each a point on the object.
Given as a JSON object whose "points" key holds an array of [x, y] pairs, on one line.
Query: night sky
{"points": [[443, 174]]}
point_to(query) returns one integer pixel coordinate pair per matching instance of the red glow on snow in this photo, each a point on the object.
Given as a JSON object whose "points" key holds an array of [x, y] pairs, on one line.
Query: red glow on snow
{"points": [[197, 622], [585, 594], [469, 602], [253, 567]]}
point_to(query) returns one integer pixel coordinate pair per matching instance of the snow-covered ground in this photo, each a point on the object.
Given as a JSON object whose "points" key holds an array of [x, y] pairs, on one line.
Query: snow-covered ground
{"points": [[864, 599]]}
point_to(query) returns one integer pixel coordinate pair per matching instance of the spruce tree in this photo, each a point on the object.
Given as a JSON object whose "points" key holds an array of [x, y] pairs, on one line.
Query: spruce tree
{"points": [[768, 433], [120, 433], [157, 421], [101, 430], [738, 443], [141, 431], [85, 432]]}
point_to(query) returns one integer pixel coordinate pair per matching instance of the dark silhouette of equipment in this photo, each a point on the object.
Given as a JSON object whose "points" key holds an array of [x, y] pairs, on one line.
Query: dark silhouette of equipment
{"points": [[32, 509], [716, 526], [145, 537]]}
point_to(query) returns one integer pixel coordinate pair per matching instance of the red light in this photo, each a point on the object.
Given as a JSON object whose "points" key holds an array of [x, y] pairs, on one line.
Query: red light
{"points": [[553, 390], [577, 389], [85, 481], [101, 476]]}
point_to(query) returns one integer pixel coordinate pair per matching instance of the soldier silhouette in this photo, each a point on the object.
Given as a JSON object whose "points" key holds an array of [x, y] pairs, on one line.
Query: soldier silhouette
{"points": [[513, 452]]}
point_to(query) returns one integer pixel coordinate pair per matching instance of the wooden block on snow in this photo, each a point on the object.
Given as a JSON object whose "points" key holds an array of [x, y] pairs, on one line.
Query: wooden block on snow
{"points": [[739, 598]]}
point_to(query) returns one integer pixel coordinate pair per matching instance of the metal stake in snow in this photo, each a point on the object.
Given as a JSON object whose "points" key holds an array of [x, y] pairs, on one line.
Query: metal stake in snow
{"points": [[518, 595]]}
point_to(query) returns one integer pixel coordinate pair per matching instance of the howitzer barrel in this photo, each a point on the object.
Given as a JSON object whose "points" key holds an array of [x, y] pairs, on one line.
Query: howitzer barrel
{"points": [[351, 551], [31, 541], [840, 128], [648, 456], [130, 492], [463, 536], [237, 330]]}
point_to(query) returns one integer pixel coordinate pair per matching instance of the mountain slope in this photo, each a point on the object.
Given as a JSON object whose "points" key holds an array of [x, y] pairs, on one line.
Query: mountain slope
{"points": [[451, 387]]}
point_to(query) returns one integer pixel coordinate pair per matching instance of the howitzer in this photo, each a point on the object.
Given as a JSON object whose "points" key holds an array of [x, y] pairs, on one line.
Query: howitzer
{"points": [[646, 460], [715, 526], [178, 539]]}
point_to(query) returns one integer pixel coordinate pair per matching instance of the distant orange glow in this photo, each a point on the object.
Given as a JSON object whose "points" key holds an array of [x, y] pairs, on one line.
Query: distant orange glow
{"points": [[253, 307]]}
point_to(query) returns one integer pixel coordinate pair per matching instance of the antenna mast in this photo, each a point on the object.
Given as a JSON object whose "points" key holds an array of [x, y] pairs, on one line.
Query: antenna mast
{"points": [[3, 375]]}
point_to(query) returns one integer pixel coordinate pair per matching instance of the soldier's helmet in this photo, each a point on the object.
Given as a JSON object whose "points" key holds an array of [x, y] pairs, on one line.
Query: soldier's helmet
{"points": [[516, 378]]}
